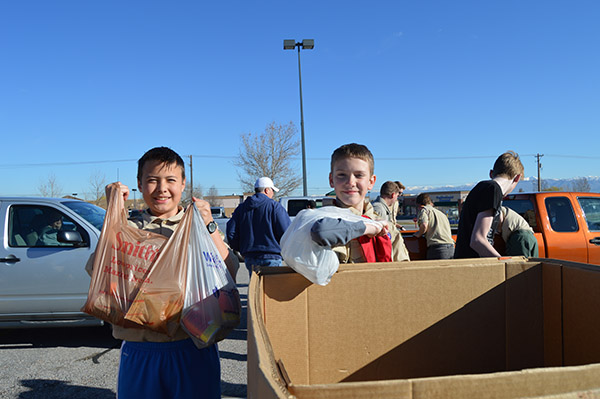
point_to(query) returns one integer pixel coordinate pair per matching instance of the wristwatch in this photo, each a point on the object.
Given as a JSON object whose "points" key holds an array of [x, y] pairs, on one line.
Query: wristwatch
{"points": [[211, 227]]}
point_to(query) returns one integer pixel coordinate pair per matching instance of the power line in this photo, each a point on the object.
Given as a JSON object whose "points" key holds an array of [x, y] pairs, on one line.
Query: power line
{"points": [[42, 164], [572, 156]]}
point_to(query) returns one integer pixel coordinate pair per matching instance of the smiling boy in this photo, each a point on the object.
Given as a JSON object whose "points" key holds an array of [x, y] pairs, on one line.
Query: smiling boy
{"points": [[352, 176], [155, 365]]}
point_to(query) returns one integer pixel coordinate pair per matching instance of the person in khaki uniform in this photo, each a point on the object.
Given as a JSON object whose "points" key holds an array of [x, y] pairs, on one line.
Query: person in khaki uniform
{"points": [[384, 206], [352, 176], [434, 225], [396, 205], [154, 365], [517, 234]]}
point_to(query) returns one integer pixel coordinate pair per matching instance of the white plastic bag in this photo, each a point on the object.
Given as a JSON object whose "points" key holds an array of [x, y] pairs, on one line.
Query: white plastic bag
{"points": [[315, 262], [211, 305]]}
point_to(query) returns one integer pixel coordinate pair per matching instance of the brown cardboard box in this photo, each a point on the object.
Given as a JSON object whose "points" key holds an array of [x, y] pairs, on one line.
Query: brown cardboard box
{"points": [[476, 328]]}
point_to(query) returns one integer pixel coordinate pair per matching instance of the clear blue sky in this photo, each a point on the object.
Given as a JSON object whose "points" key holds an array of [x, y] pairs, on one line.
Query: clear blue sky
{"points": [[436, 89]]}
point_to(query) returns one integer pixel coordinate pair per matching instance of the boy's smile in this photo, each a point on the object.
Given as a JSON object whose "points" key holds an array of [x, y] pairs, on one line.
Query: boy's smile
{"points": [[161, 186], [351, 179]]}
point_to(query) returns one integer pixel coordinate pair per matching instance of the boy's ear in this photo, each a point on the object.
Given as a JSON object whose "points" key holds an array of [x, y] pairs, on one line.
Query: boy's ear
{"points": [[139, 185], [517, 178], [331, 180], [372, 181], [491, 174]]}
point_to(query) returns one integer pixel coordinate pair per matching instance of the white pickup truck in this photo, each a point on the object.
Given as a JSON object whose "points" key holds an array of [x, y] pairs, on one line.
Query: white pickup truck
{"points": [[293, 205], [46, 243]]}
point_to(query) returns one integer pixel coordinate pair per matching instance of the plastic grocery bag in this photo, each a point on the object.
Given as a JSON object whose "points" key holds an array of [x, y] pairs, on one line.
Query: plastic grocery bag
{"points": [[138, 277], [212, 305], [159, 300], [315, 262], [124, 256]]}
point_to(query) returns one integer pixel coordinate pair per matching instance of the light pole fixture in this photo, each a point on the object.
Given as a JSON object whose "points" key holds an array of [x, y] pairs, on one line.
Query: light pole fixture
{"points": [[307, 44]]}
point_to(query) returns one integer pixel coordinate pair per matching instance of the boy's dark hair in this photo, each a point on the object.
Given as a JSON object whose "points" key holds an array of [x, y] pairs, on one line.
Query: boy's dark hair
{"points": [[353, 150], [163, 155], [508, 165], [388, 188], [400, 185], [424, 199]]}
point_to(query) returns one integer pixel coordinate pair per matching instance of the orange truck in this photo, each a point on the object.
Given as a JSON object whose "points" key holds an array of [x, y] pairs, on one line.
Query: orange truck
{"points": [[566, 225]]}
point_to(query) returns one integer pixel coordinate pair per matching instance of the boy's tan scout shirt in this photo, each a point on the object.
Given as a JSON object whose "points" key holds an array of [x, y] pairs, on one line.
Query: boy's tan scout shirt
{"points": [[438, 227], [352, 252], [512, 222]]}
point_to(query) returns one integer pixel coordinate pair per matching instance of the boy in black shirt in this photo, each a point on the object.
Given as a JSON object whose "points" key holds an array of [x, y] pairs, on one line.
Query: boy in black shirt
{"points": [[480, 212]]}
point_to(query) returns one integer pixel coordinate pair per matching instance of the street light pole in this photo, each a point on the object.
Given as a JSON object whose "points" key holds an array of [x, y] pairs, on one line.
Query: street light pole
{"points": [[134, 199], [304, 184], [307, 44]]}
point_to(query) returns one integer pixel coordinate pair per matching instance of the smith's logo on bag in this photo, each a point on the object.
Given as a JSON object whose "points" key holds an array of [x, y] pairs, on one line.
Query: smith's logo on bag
{"points": [[146, 252]]}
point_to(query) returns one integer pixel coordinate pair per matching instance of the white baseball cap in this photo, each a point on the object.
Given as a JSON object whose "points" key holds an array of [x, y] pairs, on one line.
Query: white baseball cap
{"points": [[265, 182]]}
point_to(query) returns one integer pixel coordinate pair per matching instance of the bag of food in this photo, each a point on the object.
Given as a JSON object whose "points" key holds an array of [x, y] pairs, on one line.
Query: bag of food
{"points": [[315, 262], [212, 305], [159, 300], [129, 259]]}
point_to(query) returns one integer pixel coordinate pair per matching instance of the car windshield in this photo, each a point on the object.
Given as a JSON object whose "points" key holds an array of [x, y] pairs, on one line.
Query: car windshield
{"points": [[92, 213]]}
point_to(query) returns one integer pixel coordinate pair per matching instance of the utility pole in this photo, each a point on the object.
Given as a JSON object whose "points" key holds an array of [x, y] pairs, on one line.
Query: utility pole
{"points": [[539, 166], [191, 180]]}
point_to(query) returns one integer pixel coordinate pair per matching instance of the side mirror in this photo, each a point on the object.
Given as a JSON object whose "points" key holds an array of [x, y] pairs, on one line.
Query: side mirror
{"points": [[70, 237]]}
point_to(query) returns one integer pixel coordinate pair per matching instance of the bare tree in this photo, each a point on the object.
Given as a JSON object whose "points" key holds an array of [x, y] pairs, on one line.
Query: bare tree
{"points": [[270, 154], [213, 196], [97, 185], [581, 184], [50, 188]]}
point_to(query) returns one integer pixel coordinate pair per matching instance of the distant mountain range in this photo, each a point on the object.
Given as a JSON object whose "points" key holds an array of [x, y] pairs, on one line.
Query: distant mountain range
{"points": [[527, 184]]}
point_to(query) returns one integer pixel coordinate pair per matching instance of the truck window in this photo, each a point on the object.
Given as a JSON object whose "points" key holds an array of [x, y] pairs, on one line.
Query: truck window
{"points": [[591, 212], [38, 226], [297, 204], [560, 212], [523, 207]]}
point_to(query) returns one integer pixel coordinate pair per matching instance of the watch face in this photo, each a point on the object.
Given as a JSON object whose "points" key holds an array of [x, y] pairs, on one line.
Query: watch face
{"points": [[211, 227]]}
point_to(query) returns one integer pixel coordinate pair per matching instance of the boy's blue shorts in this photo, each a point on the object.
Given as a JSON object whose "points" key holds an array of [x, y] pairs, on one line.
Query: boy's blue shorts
{"points": [[159, 370]]}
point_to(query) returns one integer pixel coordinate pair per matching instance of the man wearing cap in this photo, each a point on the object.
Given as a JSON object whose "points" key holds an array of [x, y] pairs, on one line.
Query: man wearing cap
{"points": [[384, 206], [256, 226]]}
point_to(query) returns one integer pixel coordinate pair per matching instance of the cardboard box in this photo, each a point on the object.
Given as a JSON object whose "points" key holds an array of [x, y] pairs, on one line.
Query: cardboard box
{"points": [[476, 328]]}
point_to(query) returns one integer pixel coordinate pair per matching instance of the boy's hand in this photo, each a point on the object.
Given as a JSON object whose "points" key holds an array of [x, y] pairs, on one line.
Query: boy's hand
{"points": [[116, 187], [204, 208], [379, 228]]}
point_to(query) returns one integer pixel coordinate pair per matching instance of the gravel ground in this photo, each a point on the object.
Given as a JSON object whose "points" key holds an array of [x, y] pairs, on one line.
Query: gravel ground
{"points": [[83, 362]]}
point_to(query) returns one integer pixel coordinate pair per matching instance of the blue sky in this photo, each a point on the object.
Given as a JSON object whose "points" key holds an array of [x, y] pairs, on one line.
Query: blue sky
{"points": [[436, 89]]}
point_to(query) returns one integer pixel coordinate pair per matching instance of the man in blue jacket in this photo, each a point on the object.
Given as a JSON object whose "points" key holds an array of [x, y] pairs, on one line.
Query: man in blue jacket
{"points": [[256, 226]]}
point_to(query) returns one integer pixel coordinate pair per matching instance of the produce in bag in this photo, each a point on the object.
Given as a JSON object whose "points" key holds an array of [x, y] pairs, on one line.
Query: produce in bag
{"points": [[123, 259], [159, 300], [212, 305]]}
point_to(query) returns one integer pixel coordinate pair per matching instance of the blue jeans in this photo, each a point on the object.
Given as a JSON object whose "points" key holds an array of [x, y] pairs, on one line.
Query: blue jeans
{"points": [[251, 262]]}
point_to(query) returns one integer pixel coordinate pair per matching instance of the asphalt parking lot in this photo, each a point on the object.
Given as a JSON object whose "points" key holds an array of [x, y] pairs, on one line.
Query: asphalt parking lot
{"points": [[82, 362]]}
